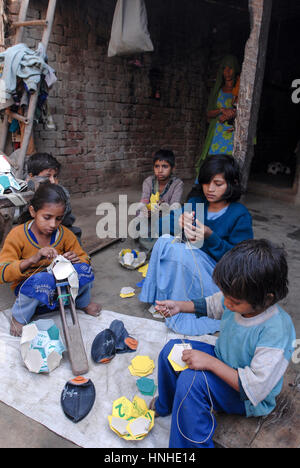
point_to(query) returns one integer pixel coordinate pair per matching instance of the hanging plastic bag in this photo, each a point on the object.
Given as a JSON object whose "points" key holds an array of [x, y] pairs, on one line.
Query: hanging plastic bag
{"points": [[8, 182], [129, 32]]}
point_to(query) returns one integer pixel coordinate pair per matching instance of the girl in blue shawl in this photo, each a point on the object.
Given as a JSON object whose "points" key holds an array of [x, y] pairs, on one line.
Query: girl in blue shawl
{"points": [[183, 271]]}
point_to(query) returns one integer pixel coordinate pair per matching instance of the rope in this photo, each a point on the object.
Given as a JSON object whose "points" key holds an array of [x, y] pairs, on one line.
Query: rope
{"points": [[211, 411], [190, 247]]}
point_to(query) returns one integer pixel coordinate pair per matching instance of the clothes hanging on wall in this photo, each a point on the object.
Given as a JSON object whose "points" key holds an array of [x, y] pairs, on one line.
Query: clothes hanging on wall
{"points": [[22, 72], [21, 62]]}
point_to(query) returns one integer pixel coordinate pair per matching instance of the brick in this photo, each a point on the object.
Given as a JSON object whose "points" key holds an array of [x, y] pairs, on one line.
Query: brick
{"points": [[107, 122]]}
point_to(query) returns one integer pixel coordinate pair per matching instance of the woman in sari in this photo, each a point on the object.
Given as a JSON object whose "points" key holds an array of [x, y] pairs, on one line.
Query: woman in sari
{"points": [[220, 111]]}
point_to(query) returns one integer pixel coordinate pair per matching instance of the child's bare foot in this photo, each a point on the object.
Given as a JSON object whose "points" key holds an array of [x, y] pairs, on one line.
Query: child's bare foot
{"points": [[93, 309], [15, 327], [152, 406]]}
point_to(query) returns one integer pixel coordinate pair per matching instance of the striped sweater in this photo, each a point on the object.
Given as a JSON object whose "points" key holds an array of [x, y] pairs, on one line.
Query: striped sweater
{"points": [[20, 245]]}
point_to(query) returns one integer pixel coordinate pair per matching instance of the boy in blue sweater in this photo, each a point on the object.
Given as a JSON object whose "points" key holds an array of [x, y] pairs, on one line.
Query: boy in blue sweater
{"points": [[243, 373]]}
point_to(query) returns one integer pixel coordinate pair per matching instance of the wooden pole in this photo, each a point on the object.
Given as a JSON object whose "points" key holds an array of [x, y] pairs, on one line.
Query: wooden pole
{"points": [[41, 23], [18, 38], [34, 97], [22, 17], [251, 85], [3, 20]]}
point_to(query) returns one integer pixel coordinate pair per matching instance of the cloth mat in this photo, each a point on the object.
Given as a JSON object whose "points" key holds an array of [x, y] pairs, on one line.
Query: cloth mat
{"points": [[38, 395]]}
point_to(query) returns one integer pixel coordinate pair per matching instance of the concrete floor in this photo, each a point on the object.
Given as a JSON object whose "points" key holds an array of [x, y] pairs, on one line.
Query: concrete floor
{"points": [[274, 220]]}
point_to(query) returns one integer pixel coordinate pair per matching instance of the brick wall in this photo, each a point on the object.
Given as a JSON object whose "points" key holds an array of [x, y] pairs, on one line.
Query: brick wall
{"points": [[108, 120]]}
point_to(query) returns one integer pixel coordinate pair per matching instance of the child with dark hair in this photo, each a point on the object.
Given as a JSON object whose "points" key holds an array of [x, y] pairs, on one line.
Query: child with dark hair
{"points": [[243, 373], [31, 247], [162, 186], [213, 223], [42, 167], [219, 164], [162, 191]]}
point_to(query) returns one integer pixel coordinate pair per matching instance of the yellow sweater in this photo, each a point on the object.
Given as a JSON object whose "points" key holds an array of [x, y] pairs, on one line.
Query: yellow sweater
{"points": [[19, 245]]}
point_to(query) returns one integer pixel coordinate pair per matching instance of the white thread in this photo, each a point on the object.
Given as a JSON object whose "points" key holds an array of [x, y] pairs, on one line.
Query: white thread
{"points": [[211, 411], [190, 387], [204, 375]]}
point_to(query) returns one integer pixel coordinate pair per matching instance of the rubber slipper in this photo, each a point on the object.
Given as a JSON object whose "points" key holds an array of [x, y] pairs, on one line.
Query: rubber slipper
{"points": [[104, 347], [77, 398]]}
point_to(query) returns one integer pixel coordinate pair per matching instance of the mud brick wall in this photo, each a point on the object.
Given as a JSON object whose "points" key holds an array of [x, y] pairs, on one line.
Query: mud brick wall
{"points": [[108, 119]]}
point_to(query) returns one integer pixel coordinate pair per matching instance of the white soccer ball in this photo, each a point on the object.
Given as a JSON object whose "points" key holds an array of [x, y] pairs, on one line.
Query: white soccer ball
{"points": [[41, 346], [275, 168]]}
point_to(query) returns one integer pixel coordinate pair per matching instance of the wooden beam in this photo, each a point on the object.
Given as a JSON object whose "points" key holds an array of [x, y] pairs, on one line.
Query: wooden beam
{"points": [[3, 20], [6, 223], [251, 84], [22, 17], [19, 117], [34, 97], [19, 24]]}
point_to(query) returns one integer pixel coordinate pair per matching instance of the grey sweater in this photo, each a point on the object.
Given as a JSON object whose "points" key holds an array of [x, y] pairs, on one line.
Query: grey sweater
{"points": [[173, 194]]}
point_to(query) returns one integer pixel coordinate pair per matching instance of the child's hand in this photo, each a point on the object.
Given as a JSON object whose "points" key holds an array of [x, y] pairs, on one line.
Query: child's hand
{"points": [[186, 219], [197, 360], [72, 257], [46, 252], [227, 114], [167, 308], [194, 233], [143, 210]]}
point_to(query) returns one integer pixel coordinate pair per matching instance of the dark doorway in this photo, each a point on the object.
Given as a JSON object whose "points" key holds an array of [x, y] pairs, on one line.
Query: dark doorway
{"points": [[278, 130]]}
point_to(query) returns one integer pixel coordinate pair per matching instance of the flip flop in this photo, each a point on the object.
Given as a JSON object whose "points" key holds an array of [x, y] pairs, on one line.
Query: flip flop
{"points": [[77, 398], [104, 347], [124, 342]]}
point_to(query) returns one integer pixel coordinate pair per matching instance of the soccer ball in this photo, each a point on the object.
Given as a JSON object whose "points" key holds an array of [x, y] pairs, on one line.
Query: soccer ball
{"points": [[41, 346], [277, 167]]}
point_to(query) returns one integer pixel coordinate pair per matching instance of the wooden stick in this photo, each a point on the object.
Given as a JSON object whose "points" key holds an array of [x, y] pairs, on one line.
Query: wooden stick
{"points": [[20, 24], [18, 117], [3, 20], [21, 18], [73, 337], [34, 97]]}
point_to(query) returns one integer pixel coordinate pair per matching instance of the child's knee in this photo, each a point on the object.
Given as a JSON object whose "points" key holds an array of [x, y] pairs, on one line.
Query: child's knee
{"points": [[83, 289], [24, 308], [185, 382], [192, 384]]}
